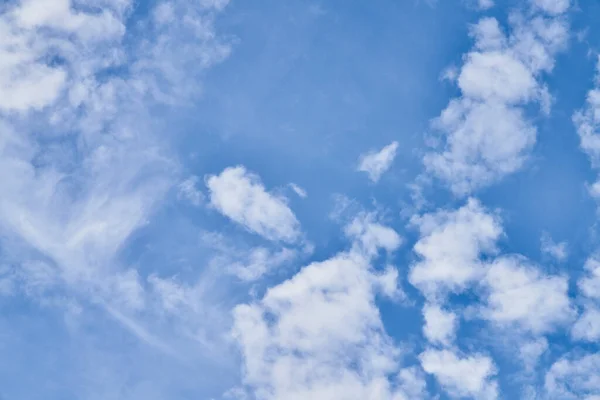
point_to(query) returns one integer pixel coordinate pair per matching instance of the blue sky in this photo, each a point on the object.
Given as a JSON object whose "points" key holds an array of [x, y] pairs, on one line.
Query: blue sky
{"points": [[280, 200]]}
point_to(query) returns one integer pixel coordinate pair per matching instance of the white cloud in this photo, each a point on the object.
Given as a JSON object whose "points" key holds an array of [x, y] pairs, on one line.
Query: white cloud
{"points": [[188, 190], [298, 190], [486, 133], [450, 247], [574, 378], [519, 294], [319, 335], [478, 152], [370, 235], [241, 196], [587, 327], [496, 76], [82, 160], [558, 251], [440, 325], [376, 163], [589, 284], [530, 353], [485, 4], [462, 377], [553, 6]]}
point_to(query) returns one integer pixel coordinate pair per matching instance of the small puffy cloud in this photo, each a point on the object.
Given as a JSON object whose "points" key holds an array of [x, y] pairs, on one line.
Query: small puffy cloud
{"points": [[450, 247], [521, 295], [462, 377], [553, 7], [375, 164], [440, 325], [388, 283], [241, 196], [188, 190], [558, 251], [572, 378], [371, 235]]}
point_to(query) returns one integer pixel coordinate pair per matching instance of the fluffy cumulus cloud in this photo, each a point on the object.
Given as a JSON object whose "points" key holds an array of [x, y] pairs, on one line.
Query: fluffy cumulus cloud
{"points": [[376, 163], [574, 377], [521, 294], [440, 325], [241, 196], [462, 377], [486, 133], [451, 246], [319, 335], [458, 254]]}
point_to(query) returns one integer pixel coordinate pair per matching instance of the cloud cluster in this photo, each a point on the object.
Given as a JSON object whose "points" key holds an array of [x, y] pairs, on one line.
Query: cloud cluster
{"points": [[319, 335], [458, 253], [485, 132]]}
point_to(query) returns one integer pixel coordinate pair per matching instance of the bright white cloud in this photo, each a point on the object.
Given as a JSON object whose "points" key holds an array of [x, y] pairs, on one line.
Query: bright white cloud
{"points": [[450, 247], [574, 377], [370, 235], [518, 293], [440, 325], [462, 377], [552, 6], [486, 134], [241, 196], [376, 163], [496, 76], [319, 335]]}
